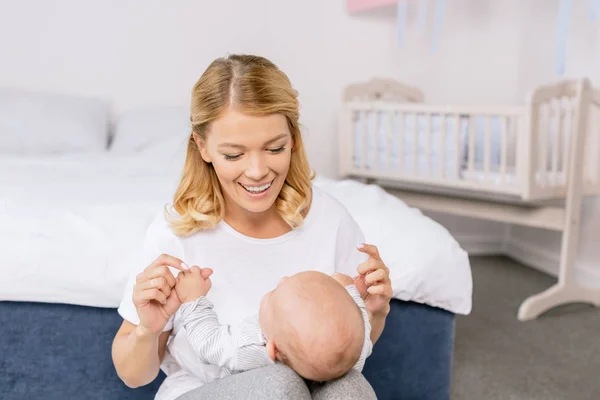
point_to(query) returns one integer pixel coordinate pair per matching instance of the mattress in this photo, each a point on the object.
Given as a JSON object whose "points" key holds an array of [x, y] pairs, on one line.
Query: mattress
{"points": [[71, 226]]}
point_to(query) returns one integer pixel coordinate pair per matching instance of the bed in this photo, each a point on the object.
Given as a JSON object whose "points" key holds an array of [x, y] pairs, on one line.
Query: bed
{"points": [[71, 224], [529, 164]]}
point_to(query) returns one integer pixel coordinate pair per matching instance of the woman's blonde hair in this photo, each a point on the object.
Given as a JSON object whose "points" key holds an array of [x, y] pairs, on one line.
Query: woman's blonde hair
{"points": [[255, 86]]}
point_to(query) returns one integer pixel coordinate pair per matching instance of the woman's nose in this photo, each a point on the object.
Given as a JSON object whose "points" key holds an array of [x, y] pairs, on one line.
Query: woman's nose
{"points": [[257, 168]]}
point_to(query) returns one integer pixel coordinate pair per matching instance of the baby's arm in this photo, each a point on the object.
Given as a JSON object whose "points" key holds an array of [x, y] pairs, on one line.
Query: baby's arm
{"points": [[236, 349]]}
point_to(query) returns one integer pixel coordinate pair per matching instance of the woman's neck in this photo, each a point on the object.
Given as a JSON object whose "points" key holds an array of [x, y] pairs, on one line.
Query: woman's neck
{"points": [[265, 225]]}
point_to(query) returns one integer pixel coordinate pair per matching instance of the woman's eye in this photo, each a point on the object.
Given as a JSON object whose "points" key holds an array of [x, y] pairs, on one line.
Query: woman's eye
{"points": [[277, 150], [232, 157]]}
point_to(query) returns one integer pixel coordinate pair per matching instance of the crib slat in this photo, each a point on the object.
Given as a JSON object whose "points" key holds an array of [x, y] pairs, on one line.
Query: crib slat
{"points": [[376, 160], [457, 151], [543, 144], [557, 118], [415, 148], [471, 144], [566, 130], [503, 149], [442, 145], [402, 134], [487, 150], [388, 138], [428, 117], [365, 136]]}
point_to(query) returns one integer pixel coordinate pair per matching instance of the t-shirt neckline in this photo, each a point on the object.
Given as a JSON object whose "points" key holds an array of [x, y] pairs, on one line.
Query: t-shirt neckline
{"points": [[286, 236]]}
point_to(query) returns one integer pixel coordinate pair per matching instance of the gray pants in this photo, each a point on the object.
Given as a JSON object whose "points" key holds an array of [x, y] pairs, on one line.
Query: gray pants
{"points": [[279, 382]]}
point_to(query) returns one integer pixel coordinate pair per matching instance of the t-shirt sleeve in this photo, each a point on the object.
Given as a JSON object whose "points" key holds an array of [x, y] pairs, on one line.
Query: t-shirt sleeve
{"points": [[158, 240], [347, 256]]}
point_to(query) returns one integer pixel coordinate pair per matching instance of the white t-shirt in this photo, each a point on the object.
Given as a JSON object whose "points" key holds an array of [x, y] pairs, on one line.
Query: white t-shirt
{"points": [[245, 269]]}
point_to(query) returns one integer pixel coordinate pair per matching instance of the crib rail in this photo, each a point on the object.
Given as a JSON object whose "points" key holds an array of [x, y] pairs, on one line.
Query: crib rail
{"points": [[458, 147], [558, 117], [592, 147]]}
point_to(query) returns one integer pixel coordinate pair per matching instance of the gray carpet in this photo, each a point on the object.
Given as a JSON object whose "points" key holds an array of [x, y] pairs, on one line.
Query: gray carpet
{"points": [[556, 357]]}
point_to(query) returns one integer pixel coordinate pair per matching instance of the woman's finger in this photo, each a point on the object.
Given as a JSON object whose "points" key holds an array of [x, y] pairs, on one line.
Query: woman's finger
{"points": [[369, 249], [170, 261], [148, 295], [375, 276], [163, 261], [160, 271], [159, 283], [370, 265], [380, 290]]}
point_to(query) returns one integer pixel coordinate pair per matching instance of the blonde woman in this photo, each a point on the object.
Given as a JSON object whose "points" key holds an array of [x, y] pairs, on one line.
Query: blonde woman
{"points": [[246, 208]]}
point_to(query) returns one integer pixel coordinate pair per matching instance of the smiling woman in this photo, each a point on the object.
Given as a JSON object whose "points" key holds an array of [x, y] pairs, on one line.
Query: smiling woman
{"points": [[247, 210]]}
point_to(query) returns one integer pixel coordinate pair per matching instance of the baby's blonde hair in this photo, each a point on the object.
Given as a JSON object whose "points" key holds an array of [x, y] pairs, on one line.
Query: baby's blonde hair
{"points": [[255, 86]]}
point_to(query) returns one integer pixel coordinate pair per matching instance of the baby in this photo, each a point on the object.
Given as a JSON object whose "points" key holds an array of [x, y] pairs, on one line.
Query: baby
{"points": [[314, 323]]}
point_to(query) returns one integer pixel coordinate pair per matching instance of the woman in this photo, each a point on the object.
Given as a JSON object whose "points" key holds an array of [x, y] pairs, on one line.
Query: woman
{"points": [[245, 208]]}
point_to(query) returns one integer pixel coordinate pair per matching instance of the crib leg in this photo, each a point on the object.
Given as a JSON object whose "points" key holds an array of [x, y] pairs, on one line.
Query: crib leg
{"points": [[567, 290], [557, 295]]}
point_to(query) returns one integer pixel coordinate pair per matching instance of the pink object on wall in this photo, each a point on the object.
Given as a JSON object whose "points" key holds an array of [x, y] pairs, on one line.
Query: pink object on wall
{"points": [[363, 5]]}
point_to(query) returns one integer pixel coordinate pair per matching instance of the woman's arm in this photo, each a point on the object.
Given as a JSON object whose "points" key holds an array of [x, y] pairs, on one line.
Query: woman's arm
{"points": [[138, 350], [137, 354]]}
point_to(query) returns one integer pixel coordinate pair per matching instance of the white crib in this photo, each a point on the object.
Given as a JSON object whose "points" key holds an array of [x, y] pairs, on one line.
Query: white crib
{"points": [[499, 163]]}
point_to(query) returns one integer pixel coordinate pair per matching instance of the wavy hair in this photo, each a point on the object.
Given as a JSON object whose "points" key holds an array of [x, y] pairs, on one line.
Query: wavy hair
{"points": [[255, 86]]}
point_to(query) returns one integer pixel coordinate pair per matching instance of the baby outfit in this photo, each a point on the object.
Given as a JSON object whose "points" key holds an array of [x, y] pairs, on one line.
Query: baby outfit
{"points": [[243, 347]]}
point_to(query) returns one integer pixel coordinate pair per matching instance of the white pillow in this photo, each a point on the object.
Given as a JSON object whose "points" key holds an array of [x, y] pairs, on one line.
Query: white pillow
{"points": [[147, 128], [427, 265], [35, 122]]}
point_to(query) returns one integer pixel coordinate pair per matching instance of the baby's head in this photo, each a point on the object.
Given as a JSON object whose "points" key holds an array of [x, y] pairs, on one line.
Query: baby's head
{"points": [[313, 325]]}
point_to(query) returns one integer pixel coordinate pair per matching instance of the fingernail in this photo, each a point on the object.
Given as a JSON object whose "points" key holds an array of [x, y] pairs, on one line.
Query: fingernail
{"points": [[184, 265], [361, 246]]}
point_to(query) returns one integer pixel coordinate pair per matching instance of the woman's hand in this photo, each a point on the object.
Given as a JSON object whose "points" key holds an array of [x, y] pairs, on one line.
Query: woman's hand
{"points": [[154, 296], [373, 281]]}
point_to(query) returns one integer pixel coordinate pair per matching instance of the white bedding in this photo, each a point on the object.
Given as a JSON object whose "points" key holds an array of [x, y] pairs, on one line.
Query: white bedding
{"points": [[70, 229]]}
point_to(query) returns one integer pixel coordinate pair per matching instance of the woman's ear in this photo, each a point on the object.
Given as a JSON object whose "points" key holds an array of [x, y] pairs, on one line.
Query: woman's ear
{"points": [[272, 349], [201, 143]]}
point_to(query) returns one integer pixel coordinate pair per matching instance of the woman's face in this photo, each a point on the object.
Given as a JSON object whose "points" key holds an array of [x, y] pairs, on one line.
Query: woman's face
{"points": [[251, 156]]}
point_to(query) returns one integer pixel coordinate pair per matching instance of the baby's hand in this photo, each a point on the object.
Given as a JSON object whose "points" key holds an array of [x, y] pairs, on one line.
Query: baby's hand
{"points": [[344, 280], [193, 283]]}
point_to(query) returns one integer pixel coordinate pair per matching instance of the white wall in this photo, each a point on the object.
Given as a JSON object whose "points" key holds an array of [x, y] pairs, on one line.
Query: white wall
{"points": [[146, 53], [150, 53]]}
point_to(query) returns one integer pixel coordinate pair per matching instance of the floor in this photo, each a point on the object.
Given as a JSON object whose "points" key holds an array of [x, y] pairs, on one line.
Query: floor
{"points": [[556, 357]]}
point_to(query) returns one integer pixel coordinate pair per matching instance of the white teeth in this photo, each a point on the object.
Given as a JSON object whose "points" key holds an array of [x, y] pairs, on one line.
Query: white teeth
{"points": [[257, 189]]}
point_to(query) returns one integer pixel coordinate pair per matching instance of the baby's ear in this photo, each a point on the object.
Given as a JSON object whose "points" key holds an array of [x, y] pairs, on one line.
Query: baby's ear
{"points": [[271, 349]]}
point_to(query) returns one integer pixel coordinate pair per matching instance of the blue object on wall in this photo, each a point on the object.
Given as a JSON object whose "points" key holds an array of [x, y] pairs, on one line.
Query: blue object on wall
{"points": [[564, 20], [423, 11], [440, 10], [401, 16], [594, 7]]}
